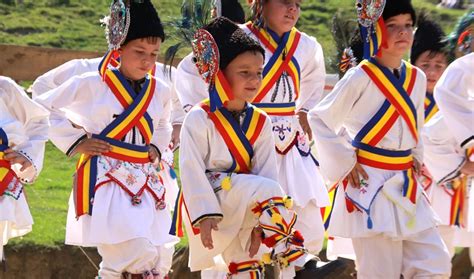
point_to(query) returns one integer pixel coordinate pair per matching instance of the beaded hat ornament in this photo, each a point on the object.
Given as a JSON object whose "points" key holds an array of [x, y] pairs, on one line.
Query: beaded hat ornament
{"points": [[117, 23], [372, 27], [206, 55]]}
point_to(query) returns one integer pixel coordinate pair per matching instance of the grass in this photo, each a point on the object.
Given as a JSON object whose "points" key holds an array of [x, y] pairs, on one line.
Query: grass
{"points": [[76, 25]]}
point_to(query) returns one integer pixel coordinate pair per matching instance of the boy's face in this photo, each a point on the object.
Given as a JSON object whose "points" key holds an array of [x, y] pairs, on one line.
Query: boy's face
{"points": [[399, 34], [244, 75], [433, 65], [138, 57], [281, 15]]}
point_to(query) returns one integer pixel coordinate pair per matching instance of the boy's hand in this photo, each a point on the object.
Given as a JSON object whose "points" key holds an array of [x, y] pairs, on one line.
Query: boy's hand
{"points": [[255, 241], [206, 226], [93, 147], [417, 166], [175, 136], [354, 176], [303, 118], [16, 158], [468, 168], [153, 154]]}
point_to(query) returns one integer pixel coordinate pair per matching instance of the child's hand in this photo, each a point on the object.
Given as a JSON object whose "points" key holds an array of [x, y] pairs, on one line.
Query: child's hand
{"points": [[153, 154], [175, 136], [417, 166], [468, 168], [93, 147], [303, 118], [206, 226], [255, 241], [355, 174], [16, 158]]}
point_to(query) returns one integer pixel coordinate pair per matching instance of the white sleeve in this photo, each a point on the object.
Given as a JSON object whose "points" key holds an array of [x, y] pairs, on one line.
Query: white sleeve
{"points": [[62, 133], [420, 115], [162, 126], [32, 123], [454, 95], [264, 159], [189, 85], [198, 193], [335, 156], [441, 156], [177, 111], [313, 77], [59, 75]]}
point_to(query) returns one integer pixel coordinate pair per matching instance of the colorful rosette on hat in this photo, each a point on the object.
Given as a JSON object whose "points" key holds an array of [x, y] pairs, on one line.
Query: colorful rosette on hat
{"points": [[372, 27], [206, 55]]}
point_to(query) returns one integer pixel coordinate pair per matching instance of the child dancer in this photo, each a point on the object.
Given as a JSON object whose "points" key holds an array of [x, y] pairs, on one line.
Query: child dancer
{"points": [[23, 132], [449, 143], [380, 104], [118, 203], [228, 165]]}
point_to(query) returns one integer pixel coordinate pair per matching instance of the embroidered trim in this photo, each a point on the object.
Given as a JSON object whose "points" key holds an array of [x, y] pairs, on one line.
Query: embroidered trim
{"points": [[205, 216], [75, 144]]}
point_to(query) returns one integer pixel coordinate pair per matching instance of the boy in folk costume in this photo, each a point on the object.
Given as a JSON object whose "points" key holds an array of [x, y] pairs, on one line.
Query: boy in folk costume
{"points": [[23, 132], [293, 83], [228, 165], [449, 149], [118, 202], [59, 75], [430, 55], [380, 104]]}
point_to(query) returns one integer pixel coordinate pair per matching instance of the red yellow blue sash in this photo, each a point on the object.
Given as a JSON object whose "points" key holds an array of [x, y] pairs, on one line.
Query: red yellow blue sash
{"points": [[6, 173], [277, 108], [458, 198], [134, 114], [430, 107], [219, 92], [282, 58], [398, 104], [253, 267], [238, 139]]}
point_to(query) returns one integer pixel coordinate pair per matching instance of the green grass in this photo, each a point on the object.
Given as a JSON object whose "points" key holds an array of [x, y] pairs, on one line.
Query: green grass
{"points": [[76, 25]]}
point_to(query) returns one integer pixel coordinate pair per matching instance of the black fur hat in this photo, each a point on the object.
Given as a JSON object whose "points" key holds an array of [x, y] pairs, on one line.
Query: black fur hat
{"points": [[428, 37], [232, 10], [397, 7], [144, 21], [231, 40]]}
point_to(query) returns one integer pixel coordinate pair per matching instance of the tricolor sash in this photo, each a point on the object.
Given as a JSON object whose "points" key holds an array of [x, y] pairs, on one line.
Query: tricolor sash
{"points": [[398, 104], [6, 173], [239, 140], [282, 58], [134, 114], [277, 108], [458, 199], [219, 92], [430, 107]]}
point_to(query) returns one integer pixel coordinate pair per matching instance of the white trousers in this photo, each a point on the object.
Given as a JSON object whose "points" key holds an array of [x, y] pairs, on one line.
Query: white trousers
{"points": [[310, 224], [133, 256], [422, 255]]}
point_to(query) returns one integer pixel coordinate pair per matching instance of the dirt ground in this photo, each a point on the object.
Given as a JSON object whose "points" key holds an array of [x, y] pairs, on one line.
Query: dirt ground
{"points": [[68, 262]]}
